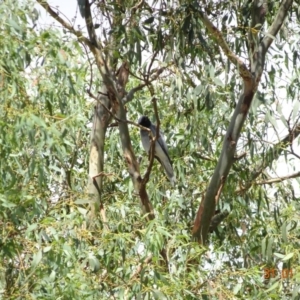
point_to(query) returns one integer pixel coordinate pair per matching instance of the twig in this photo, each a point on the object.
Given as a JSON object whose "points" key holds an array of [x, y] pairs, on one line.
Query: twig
{"points": [[98, 100], [278, 179], [150, 65], [104, 174], [90, 64], [140, 266], [217, 197], [134, 8], [114, 116], [293, 153], [95, 183], [131, 93], [276, 25], [203, 157], [238, 157]]}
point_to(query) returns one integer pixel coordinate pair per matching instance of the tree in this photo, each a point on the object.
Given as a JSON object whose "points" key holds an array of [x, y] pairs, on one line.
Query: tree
{"points": [[217, 79]]}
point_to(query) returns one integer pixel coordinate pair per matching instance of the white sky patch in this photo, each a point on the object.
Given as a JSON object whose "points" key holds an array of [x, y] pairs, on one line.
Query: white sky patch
{"points": [[68, 10]]}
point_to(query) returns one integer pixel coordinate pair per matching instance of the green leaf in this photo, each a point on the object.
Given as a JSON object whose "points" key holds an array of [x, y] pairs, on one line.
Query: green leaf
{"points": [[158, 295], [279, 255], [83, 211], [288, 256], [284, 232], [237, 288], [47, 249], [273, 287], [31, 227], [82, 201], [37, 257], [271, 119], [269, 252]]}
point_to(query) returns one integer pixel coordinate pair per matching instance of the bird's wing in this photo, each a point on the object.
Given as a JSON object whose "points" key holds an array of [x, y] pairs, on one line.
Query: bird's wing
{"points": [[145, 140], [162, 156], [161, 151], [161, 141]]}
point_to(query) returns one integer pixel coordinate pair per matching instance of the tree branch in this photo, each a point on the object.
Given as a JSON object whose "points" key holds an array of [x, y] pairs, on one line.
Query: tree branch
{"points": [[259, 62], [278, 179], [114, 116], [250, 82], [216, 34], [258, 13], [276, 25], [131, 93]]}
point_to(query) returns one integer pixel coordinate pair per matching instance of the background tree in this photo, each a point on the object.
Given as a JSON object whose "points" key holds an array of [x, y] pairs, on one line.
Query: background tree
{"points": [[197, 70]]}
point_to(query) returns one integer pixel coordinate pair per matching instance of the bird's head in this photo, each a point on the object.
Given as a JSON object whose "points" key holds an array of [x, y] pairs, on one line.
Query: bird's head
{"points": [[144, 121]]}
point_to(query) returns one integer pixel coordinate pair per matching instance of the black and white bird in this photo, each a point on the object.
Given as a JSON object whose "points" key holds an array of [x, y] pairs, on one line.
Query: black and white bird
{"points": [[161, 150]]}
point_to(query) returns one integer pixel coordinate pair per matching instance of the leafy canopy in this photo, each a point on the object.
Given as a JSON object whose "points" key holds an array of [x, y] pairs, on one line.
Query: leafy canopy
{"points": [[47, 249]]}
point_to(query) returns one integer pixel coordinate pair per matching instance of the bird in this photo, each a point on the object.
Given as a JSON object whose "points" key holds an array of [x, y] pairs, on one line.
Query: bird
{"points": [[161, 149]]}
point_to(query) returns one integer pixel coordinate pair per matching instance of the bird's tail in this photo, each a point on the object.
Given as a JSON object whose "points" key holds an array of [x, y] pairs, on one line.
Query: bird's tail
{"points": [[169, 170]]}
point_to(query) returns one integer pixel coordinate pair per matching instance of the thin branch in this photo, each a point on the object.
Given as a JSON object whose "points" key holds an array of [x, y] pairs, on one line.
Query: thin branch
{"points": [[114, 116], [198, 155], [240, 156], [140, 266], [258, 14], [276, 25], [134, 8], [217, 197], [104, 175], [104, 106], [91, 66], [259, 55], [274, 154], [218, 37], [293, 152], [95, 183], [131, 93], [150, 65], [278, 179]]}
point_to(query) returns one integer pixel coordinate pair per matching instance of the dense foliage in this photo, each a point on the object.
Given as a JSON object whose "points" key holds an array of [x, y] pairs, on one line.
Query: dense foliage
{"points": [[48, 247]]}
